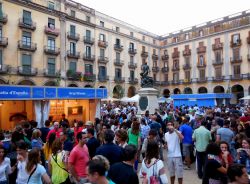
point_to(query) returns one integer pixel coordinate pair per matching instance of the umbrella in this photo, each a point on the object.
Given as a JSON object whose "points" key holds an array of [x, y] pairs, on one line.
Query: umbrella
{"points": [[245, 98], [110, 99]]}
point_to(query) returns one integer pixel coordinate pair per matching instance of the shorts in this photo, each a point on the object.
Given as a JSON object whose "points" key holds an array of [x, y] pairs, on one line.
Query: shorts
{"points": [[175, 167], [186, 149]]}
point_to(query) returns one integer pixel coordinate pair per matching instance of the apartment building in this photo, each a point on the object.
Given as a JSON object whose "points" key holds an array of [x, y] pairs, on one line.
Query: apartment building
{"points": [[64, 43]]}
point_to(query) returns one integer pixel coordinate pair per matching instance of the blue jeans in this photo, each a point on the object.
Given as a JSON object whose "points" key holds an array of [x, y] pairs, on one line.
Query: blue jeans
{"points": [[201, 158]]}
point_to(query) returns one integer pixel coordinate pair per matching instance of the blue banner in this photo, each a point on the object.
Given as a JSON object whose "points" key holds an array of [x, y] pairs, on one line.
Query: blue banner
{"points": [[202, 96], [33, 92], [13, 92]]}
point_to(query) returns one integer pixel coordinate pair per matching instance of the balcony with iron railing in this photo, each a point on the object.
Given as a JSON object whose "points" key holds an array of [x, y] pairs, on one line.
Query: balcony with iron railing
{"points": [[165, 69], [73, 36], [186, 66], [27, 24], [132, 65], [155, 57], [3, 42], [118, 62], [88, 57], [51, 31], [236, 77], [102, 43], [73, 54], [187, 81], [144, 54], [102, 78], [132, 51], [27, 46], [4, 69], [103, 60], [3, 18], [218, 46], [165, 57], [201, 79], [27, 71], [51, 73], [234, 60], [155, 69], [218, 78], [165, 83], [175, 82], [218, 62], [235, 43], [118, 47], [132, 80], [201, 65], [119, 79], [51, 50], [90, 77], [73, 75], [88, 40]]}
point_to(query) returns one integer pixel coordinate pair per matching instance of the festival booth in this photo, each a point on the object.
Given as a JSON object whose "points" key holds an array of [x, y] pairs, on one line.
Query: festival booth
{"points": [[19, 103], [207, 99]]}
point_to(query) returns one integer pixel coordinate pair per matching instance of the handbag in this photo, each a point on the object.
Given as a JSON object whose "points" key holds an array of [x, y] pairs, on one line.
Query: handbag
{"points": [[155, 178]]}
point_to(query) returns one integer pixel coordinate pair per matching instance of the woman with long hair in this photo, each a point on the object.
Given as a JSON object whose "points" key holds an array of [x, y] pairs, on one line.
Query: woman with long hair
{"points": [[37, 173], [57, 164], [243, 153], [214, 171], [151, 166], [47, 148]]}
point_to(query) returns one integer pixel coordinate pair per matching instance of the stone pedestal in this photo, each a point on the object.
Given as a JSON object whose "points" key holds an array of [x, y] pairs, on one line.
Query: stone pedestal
{"points": [[148, 100]]}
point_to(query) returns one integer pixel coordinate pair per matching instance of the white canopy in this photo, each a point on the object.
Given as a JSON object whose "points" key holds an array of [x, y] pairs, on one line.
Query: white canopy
{"points": [[110, 99], [124, 99], [134, 98], [245, 98]]}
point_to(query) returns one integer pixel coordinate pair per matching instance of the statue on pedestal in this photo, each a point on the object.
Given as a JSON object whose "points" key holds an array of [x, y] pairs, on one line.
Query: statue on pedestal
{"points": [[146, 81]]}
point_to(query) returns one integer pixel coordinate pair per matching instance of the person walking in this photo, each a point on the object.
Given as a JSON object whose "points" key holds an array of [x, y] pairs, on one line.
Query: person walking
{"points": [[79, 158], [172, 140], [201, 137]]}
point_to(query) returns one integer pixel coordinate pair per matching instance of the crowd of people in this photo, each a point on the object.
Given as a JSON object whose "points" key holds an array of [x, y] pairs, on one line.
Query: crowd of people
{"points": [[110, 149]]}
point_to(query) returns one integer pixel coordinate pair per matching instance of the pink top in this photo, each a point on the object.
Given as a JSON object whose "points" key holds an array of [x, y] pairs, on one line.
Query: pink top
{"points": [[54, 131], [79, 158]]}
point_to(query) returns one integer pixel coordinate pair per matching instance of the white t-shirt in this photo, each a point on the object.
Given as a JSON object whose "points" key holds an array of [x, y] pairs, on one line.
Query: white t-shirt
{"points": [[5, 169], [152, 168], [173, 143], [22, 175], [36, 177]]}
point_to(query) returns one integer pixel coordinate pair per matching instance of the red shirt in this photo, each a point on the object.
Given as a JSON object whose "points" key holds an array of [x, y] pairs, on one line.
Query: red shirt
{"points": [[79, 158], [54, 131]]}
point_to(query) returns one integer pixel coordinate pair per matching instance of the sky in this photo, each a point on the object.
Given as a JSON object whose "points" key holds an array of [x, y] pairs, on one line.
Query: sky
{"points": [[166, 16]]}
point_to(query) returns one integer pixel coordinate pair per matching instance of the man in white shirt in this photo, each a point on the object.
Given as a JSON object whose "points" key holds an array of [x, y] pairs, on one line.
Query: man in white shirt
{"points": [[172, 141]]}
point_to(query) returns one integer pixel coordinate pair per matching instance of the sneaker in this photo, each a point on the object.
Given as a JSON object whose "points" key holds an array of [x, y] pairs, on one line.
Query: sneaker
{"points": [[187, 168]]}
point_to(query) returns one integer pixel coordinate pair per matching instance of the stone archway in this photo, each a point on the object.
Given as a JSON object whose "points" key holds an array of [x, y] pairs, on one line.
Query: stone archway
{"points": [[118, 92], [2, 81], [50, 83], [131, 91], [72, 85], [238, 92], [202, 90], [26, 83], [219, 89], [177, 91], [188, 90], [88, 86], [166, 93]]}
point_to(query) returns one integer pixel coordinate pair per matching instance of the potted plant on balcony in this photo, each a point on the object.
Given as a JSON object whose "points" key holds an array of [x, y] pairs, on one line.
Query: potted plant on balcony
{"points": [[88, 76]]}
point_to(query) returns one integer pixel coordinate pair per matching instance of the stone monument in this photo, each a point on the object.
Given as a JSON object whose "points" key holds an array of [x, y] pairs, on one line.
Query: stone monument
{"points": [[148, 95]]}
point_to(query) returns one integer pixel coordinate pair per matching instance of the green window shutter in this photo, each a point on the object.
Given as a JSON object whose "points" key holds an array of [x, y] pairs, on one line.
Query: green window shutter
{"points": [[72, 66], [72, 30], [27, 17], [51, 65]]}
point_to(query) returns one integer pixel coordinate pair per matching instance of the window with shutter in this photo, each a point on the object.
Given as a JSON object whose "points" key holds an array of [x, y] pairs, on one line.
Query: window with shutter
{"points": [[51, 66], [88, 69], [26, 63], [72, 66], [88, 34], [51, 23], [72, 30], [26, 39], [88, 51], [27, 17], [132, 74], [237, 70], [51, 43], [218, 72], [202, 74]]}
